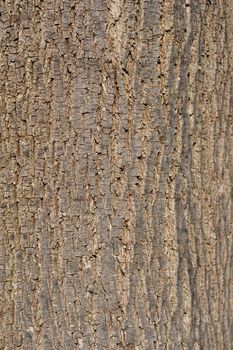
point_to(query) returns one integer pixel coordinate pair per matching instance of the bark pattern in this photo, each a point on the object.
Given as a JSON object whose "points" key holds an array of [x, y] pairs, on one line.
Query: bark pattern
{"points": [[116, 174]]}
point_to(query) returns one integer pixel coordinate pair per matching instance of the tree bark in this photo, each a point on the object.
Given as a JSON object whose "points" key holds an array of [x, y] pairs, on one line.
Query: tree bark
{"points": [[116, 174]]}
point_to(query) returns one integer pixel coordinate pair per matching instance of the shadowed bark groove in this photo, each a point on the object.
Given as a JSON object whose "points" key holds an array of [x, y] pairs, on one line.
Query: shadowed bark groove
{"points": [[116, 174]]}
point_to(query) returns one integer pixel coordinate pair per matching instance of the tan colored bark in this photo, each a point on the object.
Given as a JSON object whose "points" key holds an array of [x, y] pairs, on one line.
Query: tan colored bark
{"points": [[116, 174]]}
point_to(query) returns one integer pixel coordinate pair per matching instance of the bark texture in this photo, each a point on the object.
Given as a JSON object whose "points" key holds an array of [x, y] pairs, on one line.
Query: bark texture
{"points": [[116, 174]]}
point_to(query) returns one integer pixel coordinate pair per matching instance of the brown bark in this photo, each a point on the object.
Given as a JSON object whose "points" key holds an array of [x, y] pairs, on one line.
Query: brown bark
{"points": [[116, 174]]}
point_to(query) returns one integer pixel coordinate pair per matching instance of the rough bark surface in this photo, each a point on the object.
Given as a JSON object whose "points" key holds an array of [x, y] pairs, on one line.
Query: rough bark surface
{"points": [[116, 174]]}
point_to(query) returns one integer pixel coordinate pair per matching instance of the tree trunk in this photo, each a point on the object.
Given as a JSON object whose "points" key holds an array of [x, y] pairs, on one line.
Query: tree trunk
{"points": [[116, 171]]}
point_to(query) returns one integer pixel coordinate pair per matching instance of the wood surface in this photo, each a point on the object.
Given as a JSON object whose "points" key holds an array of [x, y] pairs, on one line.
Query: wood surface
{"points": [[116, 170]]}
